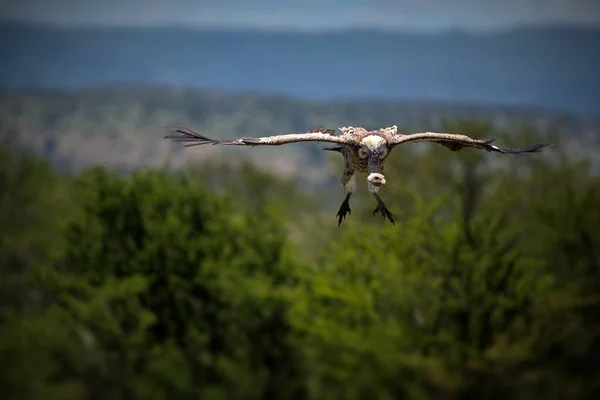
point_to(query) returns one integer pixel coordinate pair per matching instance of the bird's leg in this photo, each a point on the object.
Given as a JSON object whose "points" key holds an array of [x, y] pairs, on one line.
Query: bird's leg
{"points": [[348, 181], [344, 209], [382, 209], [376, 180]]}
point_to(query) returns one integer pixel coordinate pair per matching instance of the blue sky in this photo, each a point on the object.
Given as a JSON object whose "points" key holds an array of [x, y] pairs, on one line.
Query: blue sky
{"points": [[428, 15]]}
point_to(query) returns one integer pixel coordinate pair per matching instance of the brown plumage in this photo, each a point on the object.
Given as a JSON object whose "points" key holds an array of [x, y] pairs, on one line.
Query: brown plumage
{"points": [[363, 151], [321, 129]]}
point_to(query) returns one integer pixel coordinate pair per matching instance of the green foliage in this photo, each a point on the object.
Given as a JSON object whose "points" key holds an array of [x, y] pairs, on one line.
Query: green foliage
{"points": [[206, 271], [225, 282]]}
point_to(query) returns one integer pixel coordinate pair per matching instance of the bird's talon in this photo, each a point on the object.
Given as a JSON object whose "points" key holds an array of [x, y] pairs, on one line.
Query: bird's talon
{"points": [[385, 213], [344, 210]]}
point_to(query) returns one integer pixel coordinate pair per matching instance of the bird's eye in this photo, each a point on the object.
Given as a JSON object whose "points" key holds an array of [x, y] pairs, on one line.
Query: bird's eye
{"points": [[363, 153]]}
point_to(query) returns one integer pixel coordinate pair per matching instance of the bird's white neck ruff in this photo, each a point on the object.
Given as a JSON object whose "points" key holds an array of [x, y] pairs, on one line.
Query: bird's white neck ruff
{"points": [[373, 141]]}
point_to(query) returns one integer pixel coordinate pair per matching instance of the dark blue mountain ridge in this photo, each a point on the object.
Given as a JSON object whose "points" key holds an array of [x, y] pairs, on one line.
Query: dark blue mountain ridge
{"points": [[549, 67]]}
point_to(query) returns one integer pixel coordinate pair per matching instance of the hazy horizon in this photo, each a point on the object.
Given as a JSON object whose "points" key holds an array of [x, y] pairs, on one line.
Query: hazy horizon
{"points": [[311, 15]]}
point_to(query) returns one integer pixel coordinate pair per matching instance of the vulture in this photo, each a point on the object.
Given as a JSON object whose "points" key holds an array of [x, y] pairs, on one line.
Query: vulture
{"points": [[363, 150]]}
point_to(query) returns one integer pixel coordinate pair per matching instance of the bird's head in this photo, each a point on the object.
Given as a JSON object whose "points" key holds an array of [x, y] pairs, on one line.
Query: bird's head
{"points": [[373, 145], [375, 149], [376, 179]]}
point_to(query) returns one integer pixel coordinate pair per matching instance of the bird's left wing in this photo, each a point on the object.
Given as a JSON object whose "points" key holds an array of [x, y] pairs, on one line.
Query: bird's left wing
{"points": [[186, 135], [456, 142]]}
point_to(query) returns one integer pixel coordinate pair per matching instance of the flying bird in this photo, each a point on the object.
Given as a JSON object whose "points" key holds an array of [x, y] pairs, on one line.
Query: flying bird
{"points": [[363, 151]]}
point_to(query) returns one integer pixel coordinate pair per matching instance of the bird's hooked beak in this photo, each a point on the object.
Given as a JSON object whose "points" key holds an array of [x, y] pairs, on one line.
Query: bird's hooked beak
{"points": [[376, 179]]}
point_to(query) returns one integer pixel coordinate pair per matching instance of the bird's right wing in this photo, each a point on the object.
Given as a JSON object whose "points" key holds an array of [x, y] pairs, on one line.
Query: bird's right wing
{"points": [[456, 142], [193, 138]]}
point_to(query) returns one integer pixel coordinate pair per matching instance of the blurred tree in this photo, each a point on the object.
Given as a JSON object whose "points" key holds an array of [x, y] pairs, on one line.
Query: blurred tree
{"points": [[33, 203], [208, 269]]}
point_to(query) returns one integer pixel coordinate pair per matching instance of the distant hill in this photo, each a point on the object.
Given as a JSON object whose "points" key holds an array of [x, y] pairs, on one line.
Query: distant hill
{"points": [[547, 67], [122, 126]]}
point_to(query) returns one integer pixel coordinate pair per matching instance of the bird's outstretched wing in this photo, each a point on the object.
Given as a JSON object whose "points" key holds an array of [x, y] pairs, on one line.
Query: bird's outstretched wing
{"points": [[186, 135], [457, 142]]}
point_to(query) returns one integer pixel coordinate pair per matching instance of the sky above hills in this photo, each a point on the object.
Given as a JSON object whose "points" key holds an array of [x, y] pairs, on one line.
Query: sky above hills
{"points": [[427, 15]]}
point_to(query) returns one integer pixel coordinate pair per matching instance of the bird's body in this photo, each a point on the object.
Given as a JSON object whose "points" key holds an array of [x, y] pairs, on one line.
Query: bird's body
{"points": [[352, 158], [363, 151]]}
